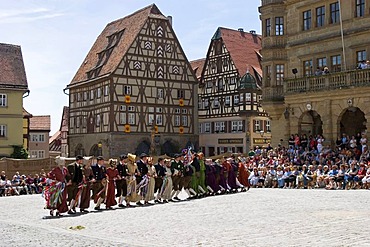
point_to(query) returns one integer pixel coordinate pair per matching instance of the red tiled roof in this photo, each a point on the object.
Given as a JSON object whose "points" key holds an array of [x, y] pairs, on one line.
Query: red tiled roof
{"points": [[197, 66], [131, 26], [12, 72], [65, 116], [244, 49], [40, 123]]}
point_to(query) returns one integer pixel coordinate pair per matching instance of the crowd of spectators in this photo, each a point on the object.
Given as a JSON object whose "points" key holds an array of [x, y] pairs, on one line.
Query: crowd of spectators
{"points": [[307, 163], [22, 184]]}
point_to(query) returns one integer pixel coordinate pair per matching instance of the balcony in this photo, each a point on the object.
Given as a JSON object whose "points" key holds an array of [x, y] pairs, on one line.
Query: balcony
{"points": [[353, 78], [265, 2], [273, 93]]}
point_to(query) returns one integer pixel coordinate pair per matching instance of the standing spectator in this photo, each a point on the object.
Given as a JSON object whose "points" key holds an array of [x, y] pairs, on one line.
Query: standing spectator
{"points": [[363, 142]]}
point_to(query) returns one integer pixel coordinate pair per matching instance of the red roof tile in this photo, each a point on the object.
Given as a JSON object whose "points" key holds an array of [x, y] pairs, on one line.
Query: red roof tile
{"points": [[244, 49], [12, 72], [40, 123], [131, 26], [197, 66]]}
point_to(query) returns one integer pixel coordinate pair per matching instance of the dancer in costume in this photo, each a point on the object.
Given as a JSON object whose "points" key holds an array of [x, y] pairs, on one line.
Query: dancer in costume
{"points": [[177, 169], [202, 175], [131, 180], [121, 184], [112, 175], [152, 174], [99, 182], [75, 180], [55, 192], [165, 192], [161, 173], [84, 192]]}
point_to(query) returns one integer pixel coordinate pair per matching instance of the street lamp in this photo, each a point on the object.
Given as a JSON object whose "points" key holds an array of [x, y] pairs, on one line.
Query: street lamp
{"points": [[100, 146]]}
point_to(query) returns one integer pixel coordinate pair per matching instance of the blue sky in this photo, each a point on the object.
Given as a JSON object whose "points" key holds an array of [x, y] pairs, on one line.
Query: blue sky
{"points": [[56, 35]]}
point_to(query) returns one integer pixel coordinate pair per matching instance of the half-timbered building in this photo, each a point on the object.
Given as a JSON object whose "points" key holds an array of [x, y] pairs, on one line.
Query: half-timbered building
{"points": [[230, 115], [135, 91]]}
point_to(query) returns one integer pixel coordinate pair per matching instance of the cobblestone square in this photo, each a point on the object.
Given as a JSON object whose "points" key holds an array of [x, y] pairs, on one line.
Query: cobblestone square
{"points": [[259, 217]]}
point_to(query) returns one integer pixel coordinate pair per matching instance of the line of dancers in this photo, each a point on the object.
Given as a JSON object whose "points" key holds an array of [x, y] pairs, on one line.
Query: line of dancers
{"points": [[128, 182]]}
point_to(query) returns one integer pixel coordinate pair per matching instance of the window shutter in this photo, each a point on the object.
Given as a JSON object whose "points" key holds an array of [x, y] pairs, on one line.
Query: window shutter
{"points": [[254, 126], [264, 126]]}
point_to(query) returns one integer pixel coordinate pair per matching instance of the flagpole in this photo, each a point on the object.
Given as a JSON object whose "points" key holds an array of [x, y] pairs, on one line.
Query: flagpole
{"points": [[342, 35]]}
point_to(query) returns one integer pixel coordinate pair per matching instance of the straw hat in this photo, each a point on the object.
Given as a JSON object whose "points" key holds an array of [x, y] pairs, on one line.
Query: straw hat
{"points": [[131, 157]]}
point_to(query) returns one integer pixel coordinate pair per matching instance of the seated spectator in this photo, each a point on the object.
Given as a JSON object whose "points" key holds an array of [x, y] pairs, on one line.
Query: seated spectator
{"points": [[339, 178], [350, 175], [31, 187], [331, 178], [366, 179], [254, 177], [15, 186], [287, 178], [271, 180], [311, 177], [279, 176], [360, 175]]}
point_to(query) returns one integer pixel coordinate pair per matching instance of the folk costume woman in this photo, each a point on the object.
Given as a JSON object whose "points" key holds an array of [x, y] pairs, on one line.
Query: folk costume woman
{"points": [[131, 180], [166, 190], [84, 193], [55, 192], [112, 174], [151, 181]]}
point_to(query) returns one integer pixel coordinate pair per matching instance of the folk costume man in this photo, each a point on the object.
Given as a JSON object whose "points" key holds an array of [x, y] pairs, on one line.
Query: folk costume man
{"points": [[161, 173], [75, 178], [141, 177], [177, 169], [99, 173], [121, 184]]}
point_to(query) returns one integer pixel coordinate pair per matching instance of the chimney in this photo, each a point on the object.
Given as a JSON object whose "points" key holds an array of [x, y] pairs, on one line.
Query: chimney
{"points": [[169, 18], [253, 32], [240, 29]]}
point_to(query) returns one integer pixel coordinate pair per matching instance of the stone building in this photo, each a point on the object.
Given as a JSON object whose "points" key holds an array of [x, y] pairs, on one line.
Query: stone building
{"points": [[134, 92], [231, 118], [299, 40], [39, 137]]}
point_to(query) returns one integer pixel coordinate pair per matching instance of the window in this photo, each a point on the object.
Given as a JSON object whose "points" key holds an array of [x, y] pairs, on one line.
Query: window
{"points": [[240, 125], [361, 56], [86, 95], [279, 26], [234, 126], [257, 125], [38, 138], [321, 62], [79, 97], [106, 90], [206, 103], [227, 100], [334, 12], [248, 97], [207, 127], [279, 74], [184, 120], [91, 94], [360, 8], [184, 111], [268, 27], [160, 93], [216, 103], [35, 154], [98, 120], [307, 18], [122, 117], [122, 108], [131, 118], [268, 75], [200, 128], [232, 80], [336, 62], [236, 99], [159, 119], [268, 126], [131, 108], [3, 100], [222, 126], [2, 130], [241, 98], [209, 84], [220, 84], [217, 126], [98, 92], [307, 67], [177, 120], [177, 111], [77, 122], [180, 94], [127, 90], [320, 16]]}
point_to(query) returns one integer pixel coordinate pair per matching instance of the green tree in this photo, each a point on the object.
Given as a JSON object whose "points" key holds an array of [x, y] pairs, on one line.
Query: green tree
{"points": [[19, 153]]}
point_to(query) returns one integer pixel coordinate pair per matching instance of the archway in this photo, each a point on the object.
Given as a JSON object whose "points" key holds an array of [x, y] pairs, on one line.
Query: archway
{"points": [[352, 121], [79, 150], [170, 148], [143, 147], [310, 124], [94, 151]]}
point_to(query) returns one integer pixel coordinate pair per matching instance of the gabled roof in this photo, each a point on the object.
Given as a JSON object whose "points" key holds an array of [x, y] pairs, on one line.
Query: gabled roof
{"points": [[197, 66], [12, 72], [55, 142], [26, 114], [65, 119], [113, 43], [244, 49], [40, 123]]}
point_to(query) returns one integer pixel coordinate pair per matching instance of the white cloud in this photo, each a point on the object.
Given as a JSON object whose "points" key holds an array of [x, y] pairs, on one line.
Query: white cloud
{"points": [[27, 15]]}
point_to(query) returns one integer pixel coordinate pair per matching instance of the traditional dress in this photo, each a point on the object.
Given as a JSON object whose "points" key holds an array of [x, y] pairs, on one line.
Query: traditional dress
{"points": [[55, 193], [166, 185], [211, 178], [84, 193], [131, 183], [110, 200], [202, 177], [151, 184], [243, 174]]}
